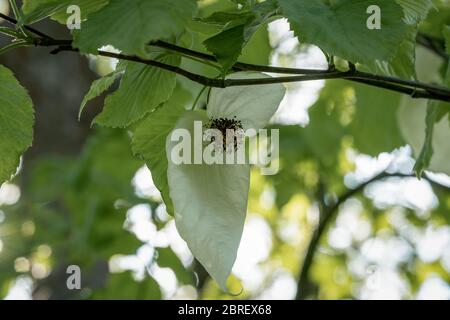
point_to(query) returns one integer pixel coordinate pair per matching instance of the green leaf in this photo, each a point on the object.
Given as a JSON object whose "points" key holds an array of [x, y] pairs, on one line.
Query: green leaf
{"points": [[447, 39], [130, 25], [16, 123], [374, 127], [415, 10], [402, 65], [239, 28], [423, 123], [258, 50], [437, 19], [210, 203], [227, 46], [149, 142], [98, 87], [341, 29], [34, 11], [142, 89], [10, 32], [18, 16], [436, 111], [424, 159], [228, 19]]}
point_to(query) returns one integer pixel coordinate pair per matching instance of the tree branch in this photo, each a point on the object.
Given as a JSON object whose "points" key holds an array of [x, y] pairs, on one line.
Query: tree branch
{"points": [[327, 215], [31, 29], [206, 81], [411, 88], [390, 83], [239, 66]]}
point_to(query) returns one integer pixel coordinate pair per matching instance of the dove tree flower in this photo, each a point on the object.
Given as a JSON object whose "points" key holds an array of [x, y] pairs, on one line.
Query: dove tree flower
{"points": [[210, 200]]}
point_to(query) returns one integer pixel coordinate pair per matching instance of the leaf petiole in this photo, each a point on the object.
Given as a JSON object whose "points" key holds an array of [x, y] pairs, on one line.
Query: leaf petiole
{"points": [[18, 16], [14, 45], [198, 97], [10, 32]]}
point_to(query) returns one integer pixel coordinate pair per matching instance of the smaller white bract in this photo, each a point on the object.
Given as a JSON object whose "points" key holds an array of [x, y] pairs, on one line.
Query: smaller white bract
{"points": [[210, 200]]}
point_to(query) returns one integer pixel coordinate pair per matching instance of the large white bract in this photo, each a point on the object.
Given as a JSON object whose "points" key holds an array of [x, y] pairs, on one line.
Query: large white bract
{"points": [[210, 201]]}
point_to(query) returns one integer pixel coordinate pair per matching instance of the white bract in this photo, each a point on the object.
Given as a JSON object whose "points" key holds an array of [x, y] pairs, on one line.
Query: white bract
{"points": [[210, 201]]}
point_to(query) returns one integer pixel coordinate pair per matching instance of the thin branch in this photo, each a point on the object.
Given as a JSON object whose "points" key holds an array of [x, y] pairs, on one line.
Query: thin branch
{"points": [[414, 84], [398, 85], [212, 82], [411, 88], [239, 66], [31, 29], [436, 45], [358, 75], [362, 77], [328, 214], [206, 81]]}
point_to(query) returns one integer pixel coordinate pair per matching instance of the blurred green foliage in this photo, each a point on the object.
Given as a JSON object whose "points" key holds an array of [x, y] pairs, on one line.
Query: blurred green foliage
{"points": [[72, 210]]}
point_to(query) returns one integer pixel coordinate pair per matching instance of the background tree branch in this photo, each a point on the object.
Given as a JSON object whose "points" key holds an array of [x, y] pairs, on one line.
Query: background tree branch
{"points": [[328, 214]]}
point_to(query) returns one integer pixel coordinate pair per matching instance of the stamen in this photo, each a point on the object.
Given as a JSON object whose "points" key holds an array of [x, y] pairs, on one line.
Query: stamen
{"points": [[224, 124]]}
